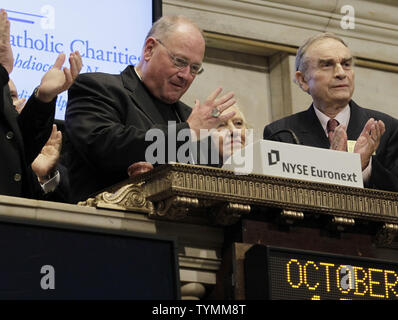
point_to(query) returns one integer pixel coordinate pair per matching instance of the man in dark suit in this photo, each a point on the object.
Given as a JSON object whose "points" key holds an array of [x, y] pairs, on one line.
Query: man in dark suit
{"points": [[23, 135], [324, 69], [109, 119], [51, 174]]}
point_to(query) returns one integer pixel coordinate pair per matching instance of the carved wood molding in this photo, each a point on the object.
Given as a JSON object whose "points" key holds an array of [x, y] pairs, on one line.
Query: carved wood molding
{"points": [[290, 22], [129, 197], [212, 185], [198, 194]]}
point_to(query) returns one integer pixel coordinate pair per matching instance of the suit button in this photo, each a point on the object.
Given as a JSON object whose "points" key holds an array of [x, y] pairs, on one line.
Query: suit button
{"points": [[17, 177], [10, 135]]}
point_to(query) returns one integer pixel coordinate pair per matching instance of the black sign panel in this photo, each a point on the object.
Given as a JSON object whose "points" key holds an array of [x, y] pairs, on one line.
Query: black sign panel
{"points": [[50, 263], [280, 273]]}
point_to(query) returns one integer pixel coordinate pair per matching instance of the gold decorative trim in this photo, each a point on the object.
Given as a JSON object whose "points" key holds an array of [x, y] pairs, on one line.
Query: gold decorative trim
{"points": [[229, 213], [174, 208], [199, 194], [290, 215], [129, 197], [341, 223], [212, 186]]}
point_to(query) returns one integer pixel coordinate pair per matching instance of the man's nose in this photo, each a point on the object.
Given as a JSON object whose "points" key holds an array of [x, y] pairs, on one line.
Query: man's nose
{"points": [[185, 72], [339, 71]]}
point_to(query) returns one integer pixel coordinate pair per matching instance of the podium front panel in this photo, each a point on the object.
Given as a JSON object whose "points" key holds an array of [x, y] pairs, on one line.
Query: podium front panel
{"points": [[39, 262]]}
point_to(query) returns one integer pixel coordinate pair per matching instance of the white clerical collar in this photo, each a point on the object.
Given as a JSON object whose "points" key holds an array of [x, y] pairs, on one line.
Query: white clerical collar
{"points": [[138, 75], [343, 117]]}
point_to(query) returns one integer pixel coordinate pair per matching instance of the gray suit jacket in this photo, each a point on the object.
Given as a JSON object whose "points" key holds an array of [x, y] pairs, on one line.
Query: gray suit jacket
{"points": [[309, 131], [106, 121]]}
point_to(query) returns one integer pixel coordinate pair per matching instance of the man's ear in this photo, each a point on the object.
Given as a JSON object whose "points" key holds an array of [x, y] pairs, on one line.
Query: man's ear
{"points": [[301, 81], [149, 47]]}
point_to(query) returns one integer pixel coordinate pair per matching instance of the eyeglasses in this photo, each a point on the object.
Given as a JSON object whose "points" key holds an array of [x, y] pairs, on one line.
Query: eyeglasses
{"points": [[181, 63]]}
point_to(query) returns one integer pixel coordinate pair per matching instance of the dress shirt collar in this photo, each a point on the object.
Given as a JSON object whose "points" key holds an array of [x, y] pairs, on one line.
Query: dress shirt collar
{"points": [[343, 117]]}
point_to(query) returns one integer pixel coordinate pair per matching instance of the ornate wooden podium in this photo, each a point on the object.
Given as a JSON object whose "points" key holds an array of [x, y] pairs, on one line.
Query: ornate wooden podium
{"points": [[259, 209], [216, 217], [204, 194]]}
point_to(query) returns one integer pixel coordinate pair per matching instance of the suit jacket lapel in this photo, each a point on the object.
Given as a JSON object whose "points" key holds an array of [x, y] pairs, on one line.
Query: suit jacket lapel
{"points": [[140, 96], [183, 110], [358, 119], [311, 131]]}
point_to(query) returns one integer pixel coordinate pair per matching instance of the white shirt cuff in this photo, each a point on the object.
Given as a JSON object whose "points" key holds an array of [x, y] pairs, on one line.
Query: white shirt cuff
{"points": [[52, 184]]}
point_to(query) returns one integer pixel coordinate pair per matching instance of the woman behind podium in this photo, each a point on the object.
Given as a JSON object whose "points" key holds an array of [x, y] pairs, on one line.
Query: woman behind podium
{"points": [[231, 135]]}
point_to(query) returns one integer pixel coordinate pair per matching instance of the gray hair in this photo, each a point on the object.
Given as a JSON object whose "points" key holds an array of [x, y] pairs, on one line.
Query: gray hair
{"points": [[166, 25], [301, 61]]}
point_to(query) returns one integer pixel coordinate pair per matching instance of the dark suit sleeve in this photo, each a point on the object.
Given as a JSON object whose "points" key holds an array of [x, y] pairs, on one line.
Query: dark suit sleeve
{"points": [[106, 128], [269, 133], [35, 122], [277, 131], [384, 174], [266, 132], [3, 82]]}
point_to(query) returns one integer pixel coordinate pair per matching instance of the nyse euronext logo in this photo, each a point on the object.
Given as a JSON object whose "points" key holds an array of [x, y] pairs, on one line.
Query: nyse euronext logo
{"points": [[300, 169]]}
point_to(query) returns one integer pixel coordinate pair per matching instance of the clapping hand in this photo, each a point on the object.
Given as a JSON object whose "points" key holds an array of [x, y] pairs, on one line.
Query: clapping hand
{"points": [[6, 56], [369, 140], [339, 140], [57, 80], [19, 104], [366, 144], [47, 160]]}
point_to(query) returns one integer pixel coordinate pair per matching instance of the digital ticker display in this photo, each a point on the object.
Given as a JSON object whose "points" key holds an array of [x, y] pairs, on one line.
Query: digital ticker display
{"points": [[284, 274]]}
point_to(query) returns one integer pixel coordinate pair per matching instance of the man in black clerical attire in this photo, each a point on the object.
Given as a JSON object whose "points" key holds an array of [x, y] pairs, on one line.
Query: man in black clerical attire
{"points": [[108, 116]]}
